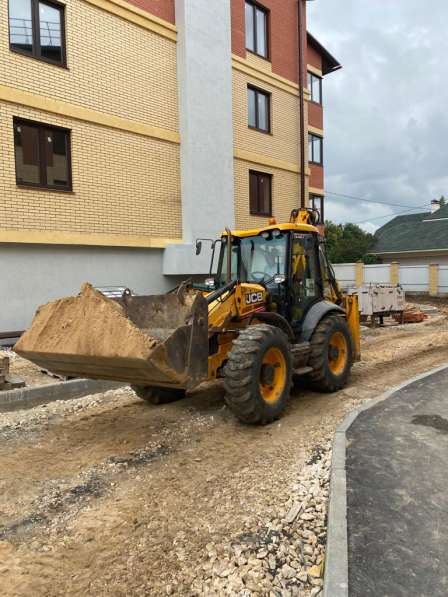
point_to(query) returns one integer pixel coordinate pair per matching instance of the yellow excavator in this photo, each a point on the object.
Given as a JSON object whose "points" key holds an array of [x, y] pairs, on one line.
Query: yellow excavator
{"points": [[272, 312]]}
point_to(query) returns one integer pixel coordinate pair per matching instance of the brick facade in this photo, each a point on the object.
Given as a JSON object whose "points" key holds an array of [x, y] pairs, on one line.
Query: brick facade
{"points": [[163, 9], [283, 35], [127, 183], [114, 66], [123, 183], [315, 115]]}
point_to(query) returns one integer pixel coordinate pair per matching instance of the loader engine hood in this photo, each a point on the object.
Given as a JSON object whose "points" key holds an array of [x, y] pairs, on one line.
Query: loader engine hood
{"points": [[144, 340]]}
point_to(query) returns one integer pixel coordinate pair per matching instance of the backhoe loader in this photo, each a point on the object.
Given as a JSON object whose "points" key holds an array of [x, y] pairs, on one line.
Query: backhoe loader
{"points": [[271, 313]]}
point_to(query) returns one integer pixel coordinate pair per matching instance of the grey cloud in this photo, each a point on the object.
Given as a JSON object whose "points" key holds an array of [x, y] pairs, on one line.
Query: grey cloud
{"points": [[387, 110]]}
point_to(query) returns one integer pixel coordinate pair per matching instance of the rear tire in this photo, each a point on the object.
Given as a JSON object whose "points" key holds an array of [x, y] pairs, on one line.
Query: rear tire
{"points": [[157, 395], [331, 355], [257, 377]]}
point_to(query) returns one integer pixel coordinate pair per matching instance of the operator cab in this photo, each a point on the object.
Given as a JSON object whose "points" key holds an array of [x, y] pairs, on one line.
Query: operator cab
{"points": [[284, 260]]}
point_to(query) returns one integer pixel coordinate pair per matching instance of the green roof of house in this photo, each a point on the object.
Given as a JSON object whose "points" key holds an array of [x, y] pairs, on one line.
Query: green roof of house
{"points": [[416, 232]]}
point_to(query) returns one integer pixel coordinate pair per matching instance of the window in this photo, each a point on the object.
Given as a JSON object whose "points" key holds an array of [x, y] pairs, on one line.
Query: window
{"points": [[36, 28], [315, 149], [315, 87], [260, 193], [259, 109], [257, 29], [317, 203], [42, 155]]}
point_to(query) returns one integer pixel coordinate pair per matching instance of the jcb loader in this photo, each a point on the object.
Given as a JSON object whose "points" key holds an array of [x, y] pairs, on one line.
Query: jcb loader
{"points": [[273, 311]]}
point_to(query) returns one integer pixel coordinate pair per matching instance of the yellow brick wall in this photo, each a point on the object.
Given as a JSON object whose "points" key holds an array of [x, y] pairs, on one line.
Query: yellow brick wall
{"points": [[259, 63], [282, 144], [114, 66], [285, 194], [123, 183]]}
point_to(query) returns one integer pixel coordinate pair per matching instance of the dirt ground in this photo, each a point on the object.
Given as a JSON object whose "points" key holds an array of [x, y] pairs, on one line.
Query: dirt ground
{"points": [[108, 495]]}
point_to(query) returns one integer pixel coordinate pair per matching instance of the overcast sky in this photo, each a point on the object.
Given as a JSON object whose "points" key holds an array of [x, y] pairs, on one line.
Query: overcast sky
{"points": [[386, 111]]}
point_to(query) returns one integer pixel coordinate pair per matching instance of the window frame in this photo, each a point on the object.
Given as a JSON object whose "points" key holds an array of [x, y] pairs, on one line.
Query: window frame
{"points": [[268, 95], [311, 75], [270, 177], [267, 14], [41, 127], [321, 198], [311, 157], [36, 51]]}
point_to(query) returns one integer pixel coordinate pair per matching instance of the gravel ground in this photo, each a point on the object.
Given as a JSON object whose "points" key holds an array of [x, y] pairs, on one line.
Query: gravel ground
{"points": [[108, 495]]}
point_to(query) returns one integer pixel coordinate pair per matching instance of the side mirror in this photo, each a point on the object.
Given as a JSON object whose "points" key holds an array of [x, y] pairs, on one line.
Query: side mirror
{"points": [[198, 247]]}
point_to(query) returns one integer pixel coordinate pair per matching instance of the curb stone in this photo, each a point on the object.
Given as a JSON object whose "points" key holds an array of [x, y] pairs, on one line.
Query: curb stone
{"points": [[336, 560], [25, 398]]}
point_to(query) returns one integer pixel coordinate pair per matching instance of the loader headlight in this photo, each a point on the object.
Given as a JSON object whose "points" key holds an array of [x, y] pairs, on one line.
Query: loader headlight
{"points": [[279, 279], [210, 283]]}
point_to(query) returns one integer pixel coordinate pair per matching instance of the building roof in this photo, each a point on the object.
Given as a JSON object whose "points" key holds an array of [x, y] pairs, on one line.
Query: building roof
{"points": [[329, 62], [416, 232]]}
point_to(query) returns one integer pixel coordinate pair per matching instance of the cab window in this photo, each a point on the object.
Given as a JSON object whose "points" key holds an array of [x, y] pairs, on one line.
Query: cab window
{"points": [[305, 274]]}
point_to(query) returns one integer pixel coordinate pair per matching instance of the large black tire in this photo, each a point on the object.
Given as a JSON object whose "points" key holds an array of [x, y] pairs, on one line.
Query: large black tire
{"points": [[331, 355], [156, 395], [257, 376]]}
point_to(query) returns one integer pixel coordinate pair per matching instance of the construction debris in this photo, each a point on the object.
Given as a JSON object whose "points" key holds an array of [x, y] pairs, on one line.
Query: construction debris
{"points": [[411, 314], [8, 381]]}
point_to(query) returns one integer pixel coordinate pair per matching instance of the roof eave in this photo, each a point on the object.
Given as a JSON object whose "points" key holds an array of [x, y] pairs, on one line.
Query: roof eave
{"points": [[329, 62]]}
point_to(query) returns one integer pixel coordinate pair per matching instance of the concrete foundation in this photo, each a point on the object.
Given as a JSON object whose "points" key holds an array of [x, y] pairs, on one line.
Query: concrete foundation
{"points": [[34, 274]]}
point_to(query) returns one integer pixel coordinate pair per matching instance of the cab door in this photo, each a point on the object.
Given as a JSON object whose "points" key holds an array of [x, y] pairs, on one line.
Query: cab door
{"points": [[305, 285]]}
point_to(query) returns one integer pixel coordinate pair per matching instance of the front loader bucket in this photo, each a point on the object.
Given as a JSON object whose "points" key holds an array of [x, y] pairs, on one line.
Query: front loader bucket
{"points": [[143, 340]]}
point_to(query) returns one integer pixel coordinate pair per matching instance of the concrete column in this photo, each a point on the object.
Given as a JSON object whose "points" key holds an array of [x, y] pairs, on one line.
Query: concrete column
{"points": [[359, 273], [204, 73], [394, 273], [433, 279]]}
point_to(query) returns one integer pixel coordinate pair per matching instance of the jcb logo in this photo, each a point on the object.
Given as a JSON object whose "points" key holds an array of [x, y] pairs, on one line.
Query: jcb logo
{"points": [[254, 297]]}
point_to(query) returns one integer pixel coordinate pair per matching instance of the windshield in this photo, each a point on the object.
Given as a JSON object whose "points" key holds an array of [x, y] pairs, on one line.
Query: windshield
{"points": [[255, 258]]}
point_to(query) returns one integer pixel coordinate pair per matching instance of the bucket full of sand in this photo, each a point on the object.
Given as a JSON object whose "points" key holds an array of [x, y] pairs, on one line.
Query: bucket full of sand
{"points": [[143, 340]]}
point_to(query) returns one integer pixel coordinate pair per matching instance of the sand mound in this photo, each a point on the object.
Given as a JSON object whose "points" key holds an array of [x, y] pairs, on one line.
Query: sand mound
{"points": [[89, 324]]}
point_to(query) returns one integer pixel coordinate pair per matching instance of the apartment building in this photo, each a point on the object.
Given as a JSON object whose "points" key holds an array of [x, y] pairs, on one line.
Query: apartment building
{"points": [[130, 128]]}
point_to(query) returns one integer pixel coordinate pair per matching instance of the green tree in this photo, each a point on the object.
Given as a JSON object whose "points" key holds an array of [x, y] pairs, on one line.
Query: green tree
{"points": [[347, 243], [442, 201]]}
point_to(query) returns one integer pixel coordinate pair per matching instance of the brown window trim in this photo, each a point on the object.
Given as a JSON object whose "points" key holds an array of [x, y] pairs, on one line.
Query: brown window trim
{"points": [[41, 126], [311, 161], [270, 177], [36, 47], [314, 196], [320, 92], [267, 14], [267, 131]]}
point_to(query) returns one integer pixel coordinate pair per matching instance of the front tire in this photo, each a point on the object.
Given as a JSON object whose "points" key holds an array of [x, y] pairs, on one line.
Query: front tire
{"points": [[331, 355], [157, 395], [257, 377]]}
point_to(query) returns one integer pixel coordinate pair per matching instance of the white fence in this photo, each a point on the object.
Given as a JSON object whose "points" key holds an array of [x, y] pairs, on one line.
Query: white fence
{"points": [[431, 279], [345, 274], [443, 279], [414, 278], [377, 274]]}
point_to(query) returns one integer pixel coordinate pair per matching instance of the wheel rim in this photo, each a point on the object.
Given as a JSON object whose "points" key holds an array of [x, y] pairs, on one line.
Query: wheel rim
{"points": [[272, 375], [337, 353]]}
